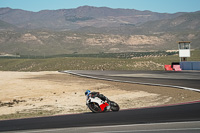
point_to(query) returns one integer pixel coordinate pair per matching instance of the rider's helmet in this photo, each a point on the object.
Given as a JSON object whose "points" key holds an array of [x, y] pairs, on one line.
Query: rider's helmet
{"points": [[87, 92]]}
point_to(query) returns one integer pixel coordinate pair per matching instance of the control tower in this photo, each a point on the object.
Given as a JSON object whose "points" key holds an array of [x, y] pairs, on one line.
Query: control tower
{"points": [[184, 50]]}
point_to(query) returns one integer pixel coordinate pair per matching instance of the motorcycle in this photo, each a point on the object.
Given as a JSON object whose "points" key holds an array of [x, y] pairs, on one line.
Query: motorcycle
{"points": [[96, 105]]}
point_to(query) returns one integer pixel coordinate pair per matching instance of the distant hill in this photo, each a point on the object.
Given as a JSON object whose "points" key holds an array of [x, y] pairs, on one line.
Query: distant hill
{"points": [[94, 30], [6, 26], [185, 22], [67, 19]]}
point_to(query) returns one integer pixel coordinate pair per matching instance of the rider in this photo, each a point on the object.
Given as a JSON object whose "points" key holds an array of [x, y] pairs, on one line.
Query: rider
{"points": [[88, 93]]}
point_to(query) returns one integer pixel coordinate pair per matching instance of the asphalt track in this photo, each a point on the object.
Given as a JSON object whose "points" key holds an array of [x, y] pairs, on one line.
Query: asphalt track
{"points": [[180, 79], [162, 114], [179, 113], [173, 127]]}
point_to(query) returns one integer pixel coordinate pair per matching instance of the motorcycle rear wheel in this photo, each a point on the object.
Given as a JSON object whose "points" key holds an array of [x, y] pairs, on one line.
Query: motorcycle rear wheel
{"points": [[94, 107]]}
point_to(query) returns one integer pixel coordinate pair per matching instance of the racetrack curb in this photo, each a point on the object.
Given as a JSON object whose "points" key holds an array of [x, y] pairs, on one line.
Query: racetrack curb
{"points": [[162, 85]]}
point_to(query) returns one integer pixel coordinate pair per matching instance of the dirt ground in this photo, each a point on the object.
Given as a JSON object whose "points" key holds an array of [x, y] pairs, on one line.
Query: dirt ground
{"points": [[54, 93]]}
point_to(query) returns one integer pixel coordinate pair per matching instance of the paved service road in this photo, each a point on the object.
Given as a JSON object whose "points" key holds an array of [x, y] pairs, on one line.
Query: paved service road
{"points": [[180, 79], [172, 127]]}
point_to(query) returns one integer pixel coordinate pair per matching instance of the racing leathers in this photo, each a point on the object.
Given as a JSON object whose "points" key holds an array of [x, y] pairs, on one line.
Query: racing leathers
{"points": [[97, 94]]}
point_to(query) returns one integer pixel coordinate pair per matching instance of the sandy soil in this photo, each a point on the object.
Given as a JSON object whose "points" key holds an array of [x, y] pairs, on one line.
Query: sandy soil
{"points": [[29, 92]]}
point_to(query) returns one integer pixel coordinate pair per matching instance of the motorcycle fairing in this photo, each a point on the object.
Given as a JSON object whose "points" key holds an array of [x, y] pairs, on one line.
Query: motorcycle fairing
{"points": [[101, 104]]}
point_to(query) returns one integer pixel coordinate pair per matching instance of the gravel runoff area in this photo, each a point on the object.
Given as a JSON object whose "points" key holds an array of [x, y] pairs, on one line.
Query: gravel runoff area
{"points": [[32, 94]]}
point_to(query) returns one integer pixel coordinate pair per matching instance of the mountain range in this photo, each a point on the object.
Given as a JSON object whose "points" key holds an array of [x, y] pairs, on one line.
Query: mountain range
{"points": [[66, 19], [89, 29]]}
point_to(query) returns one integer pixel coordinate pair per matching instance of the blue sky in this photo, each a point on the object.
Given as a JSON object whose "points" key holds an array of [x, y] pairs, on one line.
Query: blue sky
{"points": [[168, 6]]}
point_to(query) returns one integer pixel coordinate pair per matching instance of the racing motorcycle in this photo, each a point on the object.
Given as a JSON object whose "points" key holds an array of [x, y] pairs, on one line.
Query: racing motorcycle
{"points": [[96, 105]]}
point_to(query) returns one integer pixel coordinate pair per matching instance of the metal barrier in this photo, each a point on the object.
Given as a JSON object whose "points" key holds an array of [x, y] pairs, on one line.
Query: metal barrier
{"points": [[190, 65]]}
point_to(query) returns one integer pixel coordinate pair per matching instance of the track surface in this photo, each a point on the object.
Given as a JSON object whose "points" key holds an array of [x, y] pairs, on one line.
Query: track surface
{"points": [[173, 127], [174, 113], [188, 112], [179, 79]]}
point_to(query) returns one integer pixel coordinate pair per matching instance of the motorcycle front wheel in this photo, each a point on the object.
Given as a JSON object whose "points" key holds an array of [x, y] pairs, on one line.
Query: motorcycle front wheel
{"points": [[94, 107], [114, 106]]}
